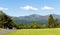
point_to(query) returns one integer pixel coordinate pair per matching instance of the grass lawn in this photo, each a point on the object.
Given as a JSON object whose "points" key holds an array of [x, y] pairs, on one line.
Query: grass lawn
{"points": [[55, 31]]}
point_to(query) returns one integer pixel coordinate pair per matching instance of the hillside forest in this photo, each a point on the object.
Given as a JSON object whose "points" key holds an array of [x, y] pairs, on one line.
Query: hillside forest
{"points": [[6, 22]]}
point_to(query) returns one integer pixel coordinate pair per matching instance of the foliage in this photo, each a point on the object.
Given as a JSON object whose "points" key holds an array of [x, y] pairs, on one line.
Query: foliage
{"points": [[51, 22], [6, 21], [34, 25]]}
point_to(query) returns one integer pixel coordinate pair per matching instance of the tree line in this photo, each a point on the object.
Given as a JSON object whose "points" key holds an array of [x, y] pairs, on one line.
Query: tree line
{"points": [[6, 22]]}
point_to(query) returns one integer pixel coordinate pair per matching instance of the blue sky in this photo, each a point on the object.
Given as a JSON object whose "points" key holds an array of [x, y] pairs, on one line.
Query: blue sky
{"points": [[28, 7]]}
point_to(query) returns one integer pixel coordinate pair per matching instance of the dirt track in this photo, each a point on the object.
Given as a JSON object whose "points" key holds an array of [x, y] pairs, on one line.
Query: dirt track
{"points": [[6, 31]]}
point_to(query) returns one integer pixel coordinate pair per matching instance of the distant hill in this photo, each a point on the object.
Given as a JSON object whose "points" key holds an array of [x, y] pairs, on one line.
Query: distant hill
{"points": [[34, 17]]}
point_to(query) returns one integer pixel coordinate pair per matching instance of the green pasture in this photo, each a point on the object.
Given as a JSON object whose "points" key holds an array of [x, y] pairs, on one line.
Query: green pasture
{"points": [[55, 31]]}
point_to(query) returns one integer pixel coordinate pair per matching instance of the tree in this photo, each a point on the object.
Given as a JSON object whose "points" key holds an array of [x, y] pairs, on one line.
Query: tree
{"points": [[1, 23], [51, 21], [20, 26], [58, 25], [34, 25], [56, 22], [6, 21]]}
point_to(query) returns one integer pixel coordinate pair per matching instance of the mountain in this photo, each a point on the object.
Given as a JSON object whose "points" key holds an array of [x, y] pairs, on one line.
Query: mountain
{"points": [[34, 17]]}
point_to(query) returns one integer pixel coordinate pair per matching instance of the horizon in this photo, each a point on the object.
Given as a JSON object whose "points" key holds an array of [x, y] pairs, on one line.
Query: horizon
{"points": [[35, 15], [28, 7]]}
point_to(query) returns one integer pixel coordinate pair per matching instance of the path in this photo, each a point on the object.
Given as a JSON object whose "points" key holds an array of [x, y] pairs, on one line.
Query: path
{"points": [[6, 31]]}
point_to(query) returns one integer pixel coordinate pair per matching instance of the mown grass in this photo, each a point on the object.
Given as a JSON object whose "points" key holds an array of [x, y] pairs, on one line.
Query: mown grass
{"points": [[55, 31]]}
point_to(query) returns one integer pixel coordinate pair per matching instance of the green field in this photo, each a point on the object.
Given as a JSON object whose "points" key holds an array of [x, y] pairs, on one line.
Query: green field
{"points": [[55, 31]]}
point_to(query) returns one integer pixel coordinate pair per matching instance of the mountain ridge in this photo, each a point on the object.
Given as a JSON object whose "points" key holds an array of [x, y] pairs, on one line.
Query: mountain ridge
{"points": [[34, 17]]}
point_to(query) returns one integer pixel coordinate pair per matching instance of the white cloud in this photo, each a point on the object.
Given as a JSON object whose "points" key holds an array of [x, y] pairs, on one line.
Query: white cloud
{"points": [[3, 9], [27, 7], [47, 8]]}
